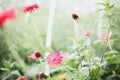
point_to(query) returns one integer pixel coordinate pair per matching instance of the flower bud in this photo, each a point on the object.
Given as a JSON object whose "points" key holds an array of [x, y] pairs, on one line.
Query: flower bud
{"points": [[75, 16], [37, 54], [42, 76]]}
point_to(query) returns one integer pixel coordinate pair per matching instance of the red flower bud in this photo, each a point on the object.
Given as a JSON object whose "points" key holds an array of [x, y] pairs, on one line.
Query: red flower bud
{"points": [[42, 76], [75, 16], [37, 54]]}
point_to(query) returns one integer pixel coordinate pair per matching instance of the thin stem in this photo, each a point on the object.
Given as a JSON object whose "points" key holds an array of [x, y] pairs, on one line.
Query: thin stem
{"points": [[108, 35], [109, 44], [108, 40], [103, 53]]}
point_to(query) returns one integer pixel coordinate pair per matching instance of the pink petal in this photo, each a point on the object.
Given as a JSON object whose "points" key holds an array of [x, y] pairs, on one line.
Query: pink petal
{"points": [[32, 56]]}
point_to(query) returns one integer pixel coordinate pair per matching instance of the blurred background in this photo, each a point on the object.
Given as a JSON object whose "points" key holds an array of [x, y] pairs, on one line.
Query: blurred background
{"points": [[28, 32]]}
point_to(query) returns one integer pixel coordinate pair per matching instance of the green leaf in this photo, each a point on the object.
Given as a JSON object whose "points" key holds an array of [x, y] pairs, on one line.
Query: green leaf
{"points": [[12, 64], [84, 52], [15, 72], [111, 6], [4, 69], [109, 53], [117, 59], [112, 57], [7, 64], [84, 71]]}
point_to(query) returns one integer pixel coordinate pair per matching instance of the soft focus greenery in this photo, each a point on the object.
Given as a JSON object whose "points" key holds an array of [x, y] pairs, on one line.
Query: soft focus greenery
{"points": [[20, 38]]}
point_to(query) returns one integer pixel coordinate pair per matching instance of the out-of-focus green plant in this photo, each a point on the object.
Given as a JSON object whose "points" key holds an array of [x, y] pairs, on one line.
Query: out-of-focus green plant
{"points": [[110, 55], [82, 63], [10, 70]]}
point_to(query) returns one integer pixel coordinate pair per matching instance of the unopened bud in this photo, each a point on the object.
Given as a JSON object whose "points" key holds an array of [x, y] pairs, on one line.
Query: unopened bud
{"points": [[42, 76], [75, 16]]}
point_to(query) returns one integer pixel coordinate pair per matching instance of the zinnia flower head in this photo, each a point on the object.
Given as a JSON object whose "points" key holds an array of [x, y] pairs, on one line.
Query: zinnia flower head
{"points": [[105, 36], [22, 78], [8, 14], [87, 32], [30, 8], [54, 59], [35, 54]]}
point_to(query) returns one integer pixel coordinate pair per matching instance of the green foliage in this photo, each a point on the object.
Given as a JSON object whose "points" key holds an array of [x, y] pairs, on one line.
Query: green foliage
{"points": [[88, 59], [10, 70]]}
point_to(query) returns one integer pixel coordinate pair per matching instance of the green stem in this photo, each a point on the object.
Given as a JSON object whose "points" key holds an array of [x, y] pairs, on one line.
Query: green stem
{"points": [[108, 40], [36, 30], [108, 34], [109, 44]]}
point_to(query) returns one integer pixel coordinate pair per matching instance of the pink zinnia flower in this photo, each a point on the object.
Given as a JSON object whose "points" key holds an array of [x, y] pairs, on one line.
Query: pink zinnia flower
{"points": [[87, 32], [30, 8], [35, 55], [54, 59], [22, 78], [105, 36], [8, 14]]}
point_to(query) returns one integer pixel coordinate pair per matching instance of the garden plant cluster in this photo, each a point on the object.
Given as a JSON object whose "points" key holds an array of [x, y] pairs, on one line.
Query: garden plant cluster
{"points": [[88, 58]]}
